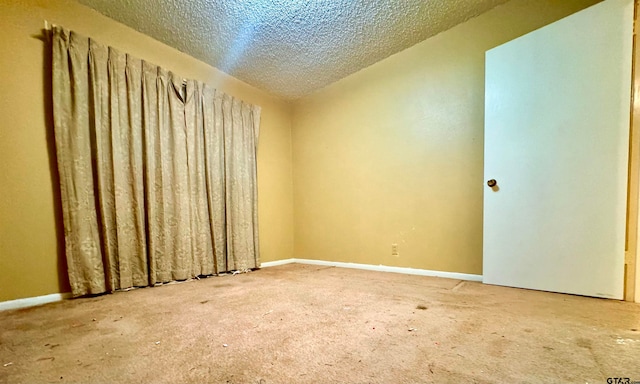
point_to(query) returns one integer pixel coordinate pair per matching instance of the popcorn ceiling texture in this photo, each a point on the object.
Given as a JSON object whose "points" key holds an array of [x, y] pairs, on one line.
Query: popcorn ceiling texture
{"points": [[291, 47]]}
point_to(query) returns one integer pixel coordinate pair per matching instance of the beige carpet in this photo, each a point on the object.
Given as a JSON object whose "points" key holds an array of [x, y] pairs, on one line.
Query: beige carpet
{"points": [[309, 324]]}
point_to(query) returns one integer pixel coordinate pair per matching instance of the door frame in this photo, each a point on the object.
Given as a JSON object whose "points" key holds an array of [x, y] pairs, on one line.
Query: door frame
{"points": [[633, 180]]}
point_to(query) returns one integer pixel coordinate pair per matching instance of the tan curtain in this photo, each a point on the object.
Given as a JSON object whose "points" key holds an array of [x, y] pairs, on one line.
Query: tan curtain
{"points": [[157, 173]]}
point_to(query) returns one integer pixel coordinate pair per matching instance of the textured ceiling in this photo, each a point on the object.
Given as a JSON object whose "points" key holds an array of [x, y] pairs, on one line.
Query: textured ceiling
{"points": [[291, 47]]}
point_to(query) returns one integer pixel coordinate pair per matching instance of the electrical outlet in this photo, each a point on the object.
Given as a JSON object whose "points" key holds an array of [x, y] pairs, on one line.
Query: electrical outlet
{"points": [[394, 249]]}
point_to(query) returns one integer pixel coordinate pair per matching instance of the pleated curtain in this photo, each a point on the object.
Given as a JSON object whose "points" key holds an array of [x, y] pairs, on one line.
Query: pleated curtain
{"points": [[157, 173]]}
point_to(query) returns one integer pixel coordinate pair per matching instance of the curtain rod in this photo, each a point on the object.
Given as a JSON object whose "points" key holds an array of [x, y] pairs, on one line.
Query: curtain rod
{"points": [[45, 33], [48, 26]]}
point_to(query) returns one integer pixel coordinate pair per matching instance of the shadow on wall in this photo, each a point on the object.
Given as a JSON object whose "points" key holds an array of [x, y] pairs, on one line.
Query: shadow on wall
{"points": [[47, 99]]}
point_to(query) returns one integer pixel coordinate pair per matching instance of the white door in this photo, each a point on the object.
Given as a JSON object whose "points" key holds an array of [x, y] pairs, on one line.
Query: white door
{"points": [[556, 141]]}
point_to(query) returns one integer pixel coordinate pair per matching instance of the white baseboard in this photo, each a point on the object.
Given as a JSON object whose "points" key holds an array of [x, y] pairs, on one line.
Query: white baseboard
{"points": [[276, 263], [379, 268], [33, 301]]}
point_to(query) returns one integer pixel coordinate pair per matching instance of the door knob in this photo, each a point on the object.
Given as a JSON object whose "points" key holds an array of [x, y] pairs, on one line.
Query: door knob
{"points": [[492, 183]]}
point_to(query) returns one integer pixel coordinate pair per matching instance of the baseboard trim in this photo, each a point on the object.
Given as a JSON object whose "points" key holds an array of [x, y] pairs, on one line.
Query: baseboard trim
{"points": [[33, 301], [379, 268], [276, 263]]}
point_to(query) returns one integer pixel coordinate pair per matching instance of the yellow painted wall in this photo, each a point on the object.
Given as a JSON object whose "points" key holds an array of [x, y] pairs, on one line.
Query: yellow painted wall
{"points": [[31, 253], [394, 152]]}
